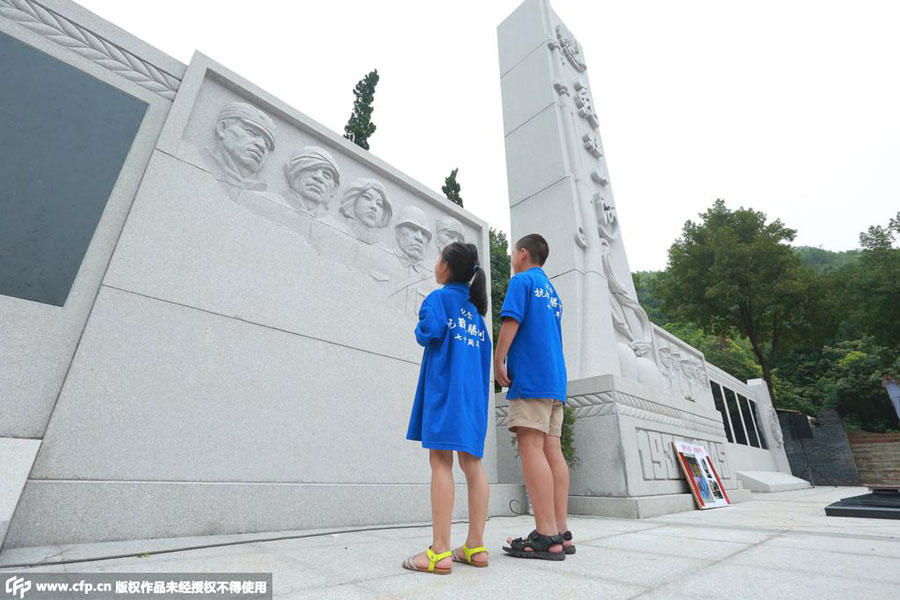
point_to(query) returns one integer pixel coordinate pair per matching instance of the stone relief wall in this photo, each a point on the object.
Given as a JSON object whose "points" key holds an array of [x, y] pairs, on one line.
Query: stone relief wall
{"points": [[271, 165]]}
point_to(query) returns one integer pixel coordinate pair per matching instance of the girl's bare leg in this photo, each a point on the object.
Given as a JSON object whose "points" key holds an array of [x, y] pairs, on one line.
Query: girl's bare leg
{"points": [[441, 506], [479, 494]]}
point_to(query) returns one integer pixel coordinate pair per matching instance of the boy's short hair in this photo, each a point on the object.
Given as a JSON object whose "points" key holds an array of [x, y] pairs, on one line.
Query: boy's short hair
{"points": [[537, 247]]}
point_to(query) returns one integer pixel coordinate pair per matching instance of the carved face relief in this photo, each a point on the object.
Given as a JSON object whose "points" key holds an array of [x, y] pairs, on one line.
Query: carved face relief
{"points": [[369, 209], [412, 241], [315, 185], [245, 143], [447, 236]]}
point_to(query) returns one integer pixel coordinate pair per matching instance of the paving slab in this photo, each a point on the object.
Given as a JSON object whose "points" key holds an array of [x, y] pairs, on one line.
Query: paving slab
{"points": [[781, 545]]}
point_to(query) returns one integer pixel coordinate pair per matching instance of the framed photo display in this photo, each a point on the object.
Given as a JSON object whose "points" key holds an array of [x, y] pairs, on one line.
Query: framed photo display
{"points": [[701, 476]]}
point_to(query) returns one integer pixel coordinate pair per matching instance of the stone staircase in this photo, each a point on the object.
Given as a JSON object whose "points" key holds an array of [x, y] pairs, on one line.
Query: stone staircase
{"points": [[877, 457]]}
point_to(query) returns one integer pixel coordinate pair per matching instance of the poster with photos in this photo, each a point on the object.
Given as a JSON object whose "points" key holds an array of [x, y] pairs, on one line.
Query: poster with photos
{"points": [[706, 487]]}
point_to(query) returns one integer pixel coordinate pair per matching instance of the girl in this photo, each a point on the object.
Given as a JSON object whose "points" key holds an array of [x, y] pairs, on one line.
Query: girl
{"points": [[451, 407]]}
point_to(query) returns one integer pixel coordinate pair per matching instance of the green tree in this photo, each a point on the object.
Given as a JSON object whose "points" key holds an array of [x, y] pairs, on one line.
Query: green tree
{"points": [[451, 188], [844, 376], [646, 284], [360, 126], [826, 261], [501, 268], [733, 272], [874, 285]]}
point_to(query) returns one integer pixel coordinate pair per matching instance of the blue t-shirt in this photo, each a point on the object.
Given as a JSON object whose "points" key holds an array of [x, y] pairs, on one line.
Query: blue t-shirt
{"points": [[450, 411], [535, 362]]}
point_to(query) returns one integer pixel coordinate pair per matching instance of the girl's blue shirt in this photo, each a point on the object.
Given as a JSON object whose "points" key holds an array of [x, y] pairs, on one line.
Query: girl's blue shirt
{"points": [[450, 411]]}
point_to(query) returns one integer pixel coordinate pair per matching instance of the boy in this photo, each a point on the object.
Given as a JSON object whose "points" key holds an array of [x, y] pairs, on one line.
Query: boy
{"points": [[529, 361]]}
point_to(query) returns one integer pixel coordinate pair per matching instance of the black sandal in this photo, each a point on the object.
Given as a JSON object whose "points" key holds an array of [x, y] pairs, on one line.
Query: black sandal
{"points": [[539, 544], [567, 536]]}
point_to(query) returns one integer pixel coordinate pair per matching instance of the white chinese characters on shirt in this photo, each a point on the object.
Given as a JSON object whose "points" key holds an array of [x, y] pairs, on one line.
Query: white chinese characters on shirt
{"points": [[553, 302], [465, 332]]}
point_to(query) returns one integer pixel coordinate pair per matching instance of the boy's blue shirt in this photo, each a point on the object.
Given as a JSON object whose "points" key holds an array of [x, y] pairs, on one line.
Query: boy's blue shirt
{"points": [[535, 362], [452, 398]]}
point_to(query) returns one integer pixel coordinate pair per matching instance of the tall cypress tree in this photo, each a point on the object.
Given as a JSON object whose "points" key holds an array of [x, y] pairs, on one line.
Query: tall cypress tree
{"points": [[360, 126], [451, 188]]}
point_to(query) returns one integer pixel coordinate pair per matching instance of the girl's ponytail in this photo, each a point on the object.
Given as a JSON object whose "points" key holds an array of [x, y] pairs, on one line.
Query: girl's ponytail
{"points": [[478, 287], [463, 262]]}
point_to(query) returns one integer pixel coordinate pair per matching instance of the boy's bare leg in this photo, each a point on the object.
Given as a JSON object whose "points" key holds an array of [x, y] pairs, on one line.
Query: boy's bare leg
{"points": [[479, 494], [560, 470], [441, 506], [538, 481]]}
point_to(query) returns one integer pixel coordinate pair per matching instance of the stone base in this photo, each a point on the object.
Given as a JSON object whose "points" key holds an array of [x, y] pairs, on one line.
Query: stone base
{"points": [[641, 507], [18, 456], [882, 503], [74, 512], [771, 481]]}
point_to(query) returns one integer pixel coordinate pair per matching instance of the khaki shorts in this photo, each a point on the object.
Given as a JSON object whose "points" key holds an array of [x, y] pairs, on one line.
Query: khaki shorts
{"points": [[543, 414]]}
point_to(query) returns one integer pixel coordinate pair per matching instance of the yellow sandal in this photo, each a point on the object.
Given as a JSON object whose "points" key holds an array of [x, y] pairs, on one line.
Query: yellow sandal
{"points": [[470, 552], [433, 559]]}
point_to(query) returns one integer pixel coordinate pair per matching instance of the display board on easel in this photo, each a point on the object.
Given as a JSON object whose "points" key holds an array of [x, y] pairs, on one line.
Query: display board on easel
{"points": [[701, 476]]}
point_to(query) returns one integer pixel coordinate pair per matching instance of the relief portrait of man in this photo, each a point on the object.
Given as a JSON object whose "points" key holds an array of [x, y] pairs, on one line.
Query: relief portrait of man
{"points": [[413, 237], [244, 139], [313, 177], [449, 230]]}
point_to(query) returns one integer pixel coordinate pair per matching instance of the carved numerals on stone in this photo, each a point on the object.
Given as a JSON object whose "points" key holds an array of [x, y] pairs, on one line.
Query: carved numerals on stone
{"points": [[658, 458], [585, 104], [607, 219]]}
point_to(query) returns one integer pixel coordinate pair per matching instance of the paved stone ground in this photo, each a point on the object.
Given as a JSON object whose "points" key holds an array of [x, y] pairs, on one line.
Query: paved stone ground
{"points": [[777, 546]]}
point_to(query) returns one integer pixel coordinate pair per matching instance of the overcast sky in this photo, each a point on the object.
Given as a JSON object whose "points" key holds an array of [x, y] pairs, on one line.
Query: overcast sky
{"points": [[789, 107]]}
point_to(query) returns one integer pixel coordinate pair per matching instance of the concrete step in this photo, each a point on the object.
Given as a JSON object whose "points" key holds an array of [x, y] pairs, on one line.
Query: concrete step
{"points": [[887, 457], [883, 457]]}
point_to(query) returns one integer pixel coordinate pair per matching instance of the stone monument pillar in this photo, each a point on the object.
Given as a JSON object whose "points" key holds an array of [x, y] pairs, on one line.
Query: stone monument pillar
{"points": [[635, 387]]}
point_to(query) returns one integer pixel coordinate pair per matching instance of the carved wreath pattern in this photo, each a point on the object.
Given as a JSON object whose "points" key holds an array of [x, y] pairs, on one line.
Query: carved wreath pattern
{"points": [[90, 46], [607, 403]]}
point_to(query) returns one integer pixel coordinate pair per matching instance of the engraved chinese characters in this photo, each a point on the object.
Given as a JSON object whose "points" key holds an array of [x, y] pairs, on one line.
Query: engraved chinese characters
{"points": [[570, 47], [604, 206], [244, 138], [464, 331], [553, 303]]}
